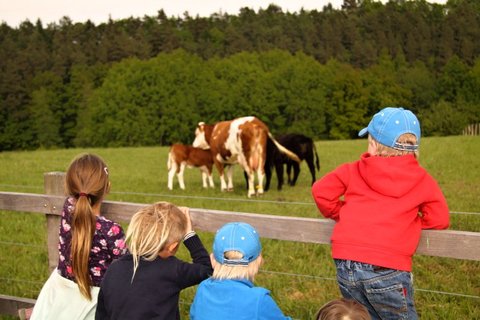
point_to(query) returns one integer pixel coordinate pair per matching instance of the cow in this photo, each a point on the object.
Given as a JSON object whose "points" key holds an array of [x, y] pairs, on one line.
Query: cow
{"points": [[242, 140], [303, 147], [181, 155]]}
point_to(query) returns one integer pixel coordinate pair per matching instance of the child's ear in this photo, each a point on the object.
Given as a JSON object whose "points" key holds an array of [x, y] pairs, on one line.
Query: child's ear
{"points": [[213, 261], [372, 147], [173, 247], [261, 259]]}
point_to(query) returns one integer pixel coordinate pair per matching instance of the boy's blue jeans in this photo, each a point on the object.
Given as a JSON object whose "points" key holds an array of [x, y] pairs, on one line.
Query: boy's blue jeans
{"points": [[387, 293]]}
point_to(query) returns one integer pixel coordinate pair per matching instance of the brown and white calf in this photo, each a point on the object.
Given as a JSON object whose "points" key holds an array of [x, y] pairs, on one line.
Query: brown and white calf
{"points": [[242, 140], [181, 155]]}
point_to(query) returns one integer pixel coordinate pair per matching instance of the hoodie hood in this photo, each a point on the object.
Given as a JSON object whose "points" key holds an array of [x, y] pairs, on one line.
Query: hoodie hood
{"points": [[391, 176]]}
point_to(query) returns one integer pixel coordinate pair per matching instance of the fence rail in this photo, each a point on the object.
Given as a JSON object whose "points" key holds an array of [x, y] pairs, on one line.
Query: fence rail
{"points": [[445, 243]]}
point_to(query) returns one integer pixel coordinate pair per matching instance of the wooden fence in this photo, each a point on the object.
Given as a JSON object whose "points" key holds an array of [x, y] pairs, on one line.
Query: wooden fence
{"points": [[445, 243], [472, 130]]}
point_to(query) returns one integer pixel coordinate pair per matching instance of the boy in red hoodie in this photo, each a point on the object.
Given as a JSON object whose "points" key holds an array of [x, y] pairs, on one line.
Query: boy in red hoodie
{"points": [[380, 204]]}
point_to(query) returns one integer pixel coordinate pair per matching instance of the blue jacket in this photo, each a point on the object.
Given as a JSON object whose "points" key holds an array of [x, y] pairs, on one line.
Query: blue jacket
{"points": [[235, 300]]}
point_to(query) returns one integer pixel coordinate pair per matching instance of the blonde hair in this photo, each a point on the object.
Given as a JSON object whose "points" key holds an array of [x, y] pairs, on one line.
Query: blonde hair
{"points": [[87, 181], [223, 271], [343, 309], [152, 229], [384, 151]]}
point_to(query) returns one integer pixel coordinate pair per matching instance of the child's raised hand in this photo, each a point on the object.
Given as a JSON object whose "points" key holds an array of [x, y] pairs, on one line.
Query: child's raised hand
{"points": [[186, 212]]}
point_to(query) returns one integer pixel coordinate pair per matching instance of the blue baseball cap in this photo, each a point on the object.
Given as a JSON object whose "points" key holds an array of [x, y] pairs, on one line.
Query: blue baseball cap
{"points": [[237, 236], [389, 124]]}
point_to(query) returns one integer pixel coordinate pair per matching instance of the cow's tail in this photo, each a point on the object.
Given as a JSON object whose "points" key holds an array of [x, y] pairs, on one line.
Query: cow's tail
{"points": [[284, 150], [317, 159]]}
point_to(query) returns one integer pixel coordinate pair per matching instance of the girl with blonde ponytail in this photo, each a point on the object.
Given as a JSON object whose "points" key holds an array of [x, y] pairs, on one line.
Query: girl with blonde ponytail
{"points": [[88, 244]]}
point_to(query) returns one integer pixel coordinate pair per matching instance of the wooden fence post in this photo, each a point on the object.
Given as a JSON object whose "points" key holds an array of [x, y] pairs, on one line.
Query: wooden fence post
{"points": [[54, 184], [472, 129]]}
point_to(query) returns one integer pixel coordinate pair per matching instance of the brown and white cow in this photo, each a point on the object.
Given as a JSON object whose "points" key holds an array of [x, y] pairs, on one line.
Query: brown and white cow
{"points": [[181, 155], [242, 140]]}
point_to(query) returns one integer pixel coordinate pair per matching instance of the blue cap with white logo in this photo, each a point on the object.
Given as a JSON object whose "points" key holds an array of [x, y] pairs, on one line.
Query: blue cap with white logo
{"points": [[389, 124], [237, 236]]}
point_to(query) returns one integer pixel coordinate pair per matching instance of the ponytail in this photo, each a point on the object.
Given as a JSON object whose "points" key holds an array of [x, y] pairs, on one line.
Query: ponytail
{"points": [[83, 227], [87, 181]]}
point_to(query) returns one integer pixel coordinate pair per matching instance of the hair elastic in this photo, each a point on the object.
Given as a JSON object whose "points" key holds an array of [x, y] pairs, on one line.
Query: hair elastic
{"points": [[82, 194]]}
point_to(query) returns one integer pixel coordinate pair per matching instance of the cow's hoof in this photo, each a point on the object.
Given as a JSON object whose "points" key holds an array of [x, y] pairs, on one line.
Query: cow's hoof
{"points": [[230, 190]]}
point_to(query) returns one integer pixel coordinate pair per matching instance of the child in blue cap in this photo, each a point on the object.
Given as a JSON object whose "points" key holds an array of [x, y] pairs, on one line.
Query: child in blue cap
{"points": [[380, 204], [229, 293]]}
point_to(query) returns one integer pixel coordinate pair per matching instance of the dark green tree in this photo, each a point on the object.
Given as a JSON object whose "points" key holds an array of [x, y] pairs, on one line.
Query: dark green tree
{"points": [[347, 101]]}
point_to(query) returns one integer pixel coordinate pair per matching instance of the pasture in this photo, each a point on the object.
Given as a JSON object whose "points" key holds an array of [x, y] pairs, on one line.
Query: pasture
{"points": [[301, 276]]}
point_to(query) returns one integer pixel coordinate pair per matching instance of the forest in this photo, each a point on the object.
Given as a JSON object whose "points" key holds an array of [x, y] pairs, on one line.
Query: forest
{"points": [[149, 81]]}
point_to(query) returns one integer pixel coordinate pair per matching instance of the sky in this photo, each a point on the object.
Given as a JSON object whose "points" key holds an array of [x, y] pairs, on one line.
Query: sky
{"points": [[13, 12]]}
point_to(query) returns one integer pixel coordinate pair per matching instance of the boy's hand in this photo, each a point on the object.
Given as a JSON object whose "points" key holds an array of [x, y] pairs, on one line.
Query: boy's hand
{"points": [[186, 212]]}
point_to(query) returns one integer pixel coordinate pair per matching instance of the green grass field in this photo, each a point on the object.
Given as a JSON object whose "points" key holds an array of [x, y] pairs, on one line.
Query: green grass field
{"points": [[301, 276]]}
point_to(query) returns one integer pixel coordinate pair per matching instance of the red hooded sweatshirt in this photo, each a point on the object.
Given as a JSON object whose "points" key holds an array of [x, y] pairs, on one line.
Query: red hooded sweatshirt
{"points": [[377, 219]]}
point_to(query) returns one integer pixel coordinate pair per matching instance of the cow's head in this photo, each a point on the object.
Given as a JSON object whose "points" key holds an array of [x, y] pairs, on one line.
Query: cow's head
{"points": [[200, 140]]}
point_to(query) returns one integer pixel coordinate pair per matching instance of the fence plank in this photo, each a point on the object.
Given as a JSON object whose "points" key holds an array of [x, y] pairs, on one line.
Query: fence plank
{"points": [[450, 244], [268, 226], [444, 243], [9, 305], [31, 202], [472, 130]]}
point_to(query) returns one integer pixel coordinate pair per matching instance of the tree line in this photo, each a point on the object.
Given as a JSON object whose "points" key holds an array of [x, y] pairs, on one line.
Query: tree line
{"points": [[150, 80]]}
